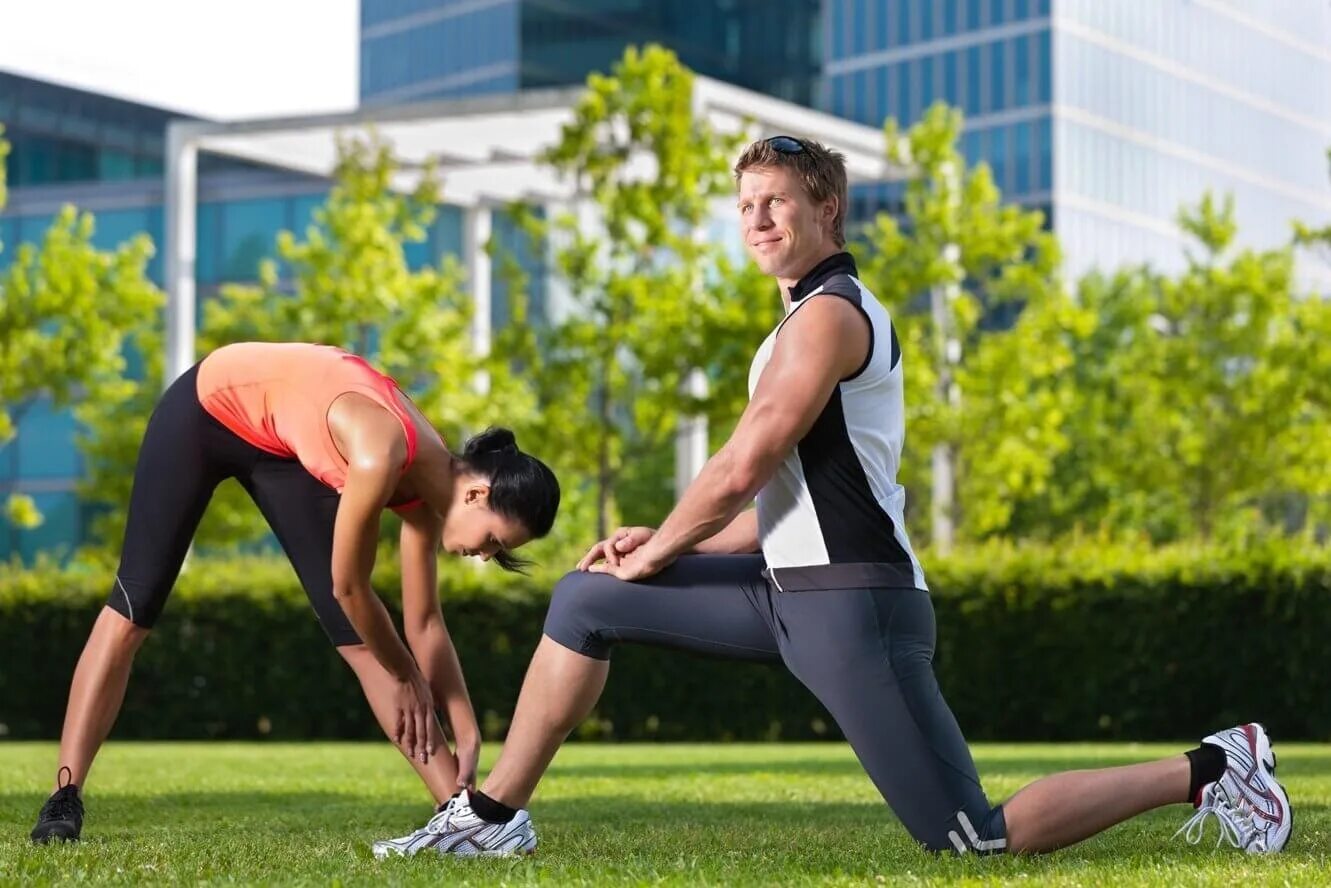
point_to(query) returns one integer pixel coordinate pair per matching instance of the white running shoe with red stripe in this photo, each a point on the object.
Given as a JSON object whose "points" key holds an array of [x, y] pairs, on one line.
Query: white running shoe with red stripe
{"points": [[1251, 807]]}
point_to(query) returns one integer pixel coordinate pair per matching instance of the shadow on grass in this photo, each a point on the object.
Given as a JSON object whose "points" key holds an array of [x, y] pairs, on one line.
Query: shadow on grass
{"points": [[998, 766]]}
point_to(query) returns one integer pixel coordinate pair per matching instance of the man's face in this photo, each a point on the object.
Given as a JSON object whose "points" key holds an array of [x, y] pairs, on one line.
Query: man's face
{"points": [[784, 229]]}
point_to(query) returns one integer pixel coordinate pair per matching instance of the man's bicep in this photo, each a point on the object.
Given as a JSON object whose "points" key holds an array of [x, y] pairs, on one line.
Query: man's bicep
{"points": [[821, 344]]}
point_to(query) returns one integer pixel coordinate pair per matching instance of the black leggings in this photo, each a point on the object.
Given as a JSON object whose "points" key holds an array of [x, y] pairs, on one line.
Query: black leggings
{"points": [[185, 454], [865, 653]]}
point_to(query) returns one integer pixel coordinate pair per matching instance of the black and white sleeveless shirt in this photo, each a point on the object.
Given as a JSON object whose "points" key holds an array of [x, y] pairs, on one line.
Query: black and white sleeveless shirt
{"points": [[833, 515]]}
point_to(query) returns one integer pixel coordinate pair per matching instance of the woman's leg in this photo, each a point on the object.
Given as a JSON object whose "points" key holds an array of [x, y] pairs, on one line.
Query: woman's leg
{"points": [[176, 474], [440, 773], [178, 468], [301, 511]]}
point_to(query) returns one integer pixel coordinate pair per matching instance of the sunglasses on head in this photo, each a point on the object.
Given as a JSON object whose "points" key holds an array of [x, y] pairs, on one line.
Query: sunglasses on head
{"points": [[786, 144]]}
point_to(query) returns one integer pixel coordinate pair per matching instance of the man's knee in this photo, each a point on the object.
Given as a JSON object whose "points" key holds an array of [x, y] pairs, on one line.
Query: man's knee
{"points": [[576, 615], [984, 833]]}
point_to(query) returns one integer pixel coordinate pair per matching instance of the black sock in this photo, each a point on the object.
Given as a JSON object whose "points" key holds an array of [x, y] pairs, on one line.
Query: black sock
{"points": [[490, 810], [1208, 764]]}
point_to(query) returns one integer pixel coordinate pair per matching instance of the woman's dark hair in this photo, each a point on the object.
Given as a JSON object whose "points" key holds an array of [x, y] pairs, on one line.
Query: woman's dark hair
{"points": [[522, 488]]}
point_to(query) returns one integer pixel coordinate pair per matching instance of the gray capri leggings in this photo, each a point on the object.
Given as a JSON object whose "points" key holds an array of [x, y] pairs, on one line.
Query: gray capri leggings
{"points": [[865, 653]]}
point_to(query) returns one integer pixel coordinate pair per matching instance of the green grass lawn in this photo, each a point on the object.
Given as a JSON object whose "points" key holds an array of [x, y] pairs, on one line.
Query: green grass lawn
{"points": [[607, 814]]}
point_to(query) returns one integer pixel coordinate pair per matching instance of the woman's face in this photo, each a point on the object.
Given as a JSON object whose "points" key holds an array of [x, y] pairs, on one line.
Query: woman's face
{"points": [[472, 528]]}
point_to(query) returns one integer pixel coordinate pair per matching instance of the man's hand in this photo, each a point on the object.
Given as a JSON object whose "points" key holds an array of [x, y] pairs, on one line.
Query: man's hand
{"points": [[614, 547], [644, 561]]}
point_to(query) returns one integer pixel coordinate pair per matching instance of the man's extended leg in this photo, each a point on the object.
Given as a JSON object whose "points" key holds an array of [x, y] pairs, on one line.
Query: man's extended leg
{"points": [[867, 655]]}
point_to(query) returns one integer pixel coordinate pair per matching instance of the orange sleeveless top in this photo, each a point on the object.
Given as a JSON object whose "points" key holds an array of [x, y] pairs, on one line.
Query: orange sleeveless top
{"points": [[276, 396]]}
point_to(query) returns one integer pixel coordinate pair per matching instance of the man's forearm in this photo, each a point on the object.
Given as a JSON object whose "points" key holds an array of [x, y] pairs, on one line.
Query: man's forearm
{"points": [[708, 507], [739, 537]]}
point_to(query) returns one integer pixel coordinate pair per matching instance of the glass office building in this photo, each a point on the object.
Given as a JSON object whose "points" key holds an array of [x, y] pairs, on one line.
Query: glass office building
{"points": [[417, 49], [1110, 116]]}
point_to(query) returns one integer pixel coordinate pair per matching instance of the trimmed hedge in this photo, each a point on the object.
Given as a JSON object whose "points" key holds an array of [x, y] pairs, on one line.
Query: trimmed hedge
{"points": [[1078, 642]]}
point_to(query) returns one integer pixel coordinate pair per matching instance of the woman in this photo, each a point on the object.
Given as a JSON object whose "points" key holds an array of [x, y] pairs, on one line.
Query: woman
{"points": [[323, 443]]}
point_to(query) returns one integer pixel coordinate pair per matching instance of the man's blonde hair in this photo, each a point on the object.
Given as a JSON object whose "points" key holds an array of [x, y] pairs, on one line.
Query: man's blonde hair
{"points": [[821, 170]]}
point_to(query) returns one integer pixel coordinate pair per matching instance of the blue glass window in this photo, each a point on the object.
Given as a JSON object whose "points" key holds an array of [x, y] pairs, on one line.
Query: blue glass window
{"points": [[861, 93], [115, 227], [927, 91], [903, 23], [996, 16], [903, 93], [1046, 63], [838, 29], [998, 77], [910, 93], [974, 80], [45, 443], [208, 248], [249, 235], [926, 20], [972, 15], [950, 16], [950, 86], [1045, 135], [857, 19], [1022, 86], [970, 147], [998, 156], [883, 107], [1021, 158], [61, 524]]}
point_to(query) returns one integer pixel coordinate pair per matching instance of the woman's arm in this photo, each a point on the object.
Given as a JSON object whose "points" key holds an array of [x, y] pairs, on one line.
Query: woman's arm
{"points": [[375, 452], [428, 638]]}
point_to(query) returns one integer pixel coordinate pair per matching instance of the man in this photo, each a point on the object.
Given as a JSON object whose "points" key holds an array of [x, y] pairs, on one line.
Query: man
{"points": [[836, 594]]}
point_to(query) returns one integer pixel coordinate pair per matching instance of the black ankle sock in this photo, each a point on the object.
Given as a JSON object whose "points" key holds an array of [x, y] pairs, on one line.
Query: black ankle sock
{"points": [[490, 810], [1208, 764]]}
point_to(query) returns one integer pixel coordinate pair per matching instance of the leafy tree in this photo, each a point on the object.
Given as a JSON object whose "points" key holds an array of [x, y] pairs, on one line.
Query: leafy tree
{"points": [[649, 298], [985, 394], [68, 311]]}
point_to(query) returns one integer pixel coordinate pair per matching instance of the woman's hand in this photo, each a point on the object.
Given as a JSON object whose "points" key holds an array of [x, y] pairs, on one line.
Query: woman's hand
{"points": [[468, 756], [415, 728]]}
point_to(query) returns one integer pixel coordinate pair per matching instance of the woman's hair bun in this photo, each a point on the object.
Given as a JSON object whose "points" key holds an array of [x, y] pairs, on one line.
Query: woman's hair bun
{"points": [[492, 440]]}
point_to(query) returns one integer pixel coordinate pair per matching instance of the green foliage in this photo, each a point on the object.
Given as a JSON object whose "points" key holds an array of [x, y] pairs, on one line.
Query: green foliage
{"points": [[68, 311], [649, 298], [1001, 415], [1143, 404], [1084, 640], [1201, 405]]}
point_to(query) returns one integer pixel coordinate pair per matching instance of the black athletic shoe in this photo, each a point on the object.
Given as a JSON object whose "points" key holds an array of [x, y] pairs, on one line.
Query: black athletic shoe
{"points": [[61, 818]]}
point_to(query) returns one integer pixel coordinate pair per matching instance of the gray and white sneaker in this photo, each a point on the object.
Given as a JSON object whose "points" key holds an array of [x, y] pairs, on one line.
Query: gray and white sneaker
{"points": [[457, 830], [1250, 805]]}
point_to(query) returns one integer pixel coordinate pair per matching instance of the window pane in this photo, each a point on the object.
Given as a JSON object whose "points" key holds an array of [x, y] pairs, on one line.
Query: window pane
{"points": [[1022, 87], [998, 77], [974, 80], [1021, 179], [1044, 131], [249, 234], [950, 79]]}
